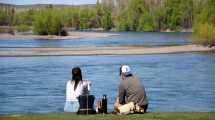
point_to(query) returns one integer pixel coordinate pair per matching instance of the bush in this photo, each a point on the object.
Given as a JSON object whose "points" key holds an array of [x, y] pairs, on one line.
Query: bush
{"points": [[204, 27], [106, 20], [205, 35], [23, 28], [49, 22], [84, 18], [146, 23], [40, 25], [122, 25], [7, 29], [124, 22], [63, 32]]}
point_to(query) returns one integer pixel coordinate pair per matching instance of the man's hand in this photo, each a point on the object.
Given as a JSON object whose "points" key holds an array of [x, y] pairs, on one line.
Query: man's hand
{"points": [[117, 105]]}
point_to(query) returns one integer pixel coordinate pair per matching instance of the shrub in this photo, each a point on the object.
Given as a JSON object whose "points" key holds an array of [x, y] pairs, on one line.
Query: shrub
{"points": [[204, 27], [106, 20], [23, 28], [146, 23], [205, 35], [9, 30], [48, 22]]}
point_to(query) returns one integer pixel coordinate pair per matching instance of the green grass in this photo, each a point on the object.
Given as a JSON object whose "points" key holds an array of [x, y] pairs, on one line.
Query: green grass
{"points": [[147, 116]]}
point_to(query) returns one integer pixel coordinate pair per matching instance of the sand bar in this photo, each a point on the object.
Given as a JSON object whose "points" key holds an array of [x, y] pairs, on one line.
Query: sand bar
{"points": [[82, 51], [71, 35]]}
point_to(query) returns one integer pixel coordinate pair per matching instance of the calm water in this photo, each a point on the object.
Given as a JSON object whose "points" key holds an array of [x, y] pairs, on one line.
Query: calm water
{"points": [[124, 39], [173, 82]]}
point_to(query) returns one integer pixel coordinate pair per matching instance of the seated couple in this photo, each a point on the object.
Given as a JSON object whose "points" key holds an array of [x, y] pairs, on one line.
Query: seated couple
{"points": [[131, 94]]}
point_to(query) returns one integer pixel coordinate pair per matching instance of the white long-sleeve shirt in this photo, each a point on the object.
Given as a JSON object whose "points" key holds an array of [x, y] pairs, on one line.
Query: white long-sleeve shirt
{"points": [[83, 87]]}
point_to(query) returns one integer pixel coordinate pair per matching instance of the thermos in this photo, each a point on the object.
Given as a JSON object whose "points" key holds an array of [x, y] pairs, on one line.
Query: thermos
{"points": [[104, 104]]}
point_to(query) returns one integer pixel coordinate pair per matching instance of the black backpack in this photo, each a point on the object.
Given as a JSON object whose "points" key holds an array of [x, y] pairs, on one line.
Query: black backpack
{"points": [[86, 104]]}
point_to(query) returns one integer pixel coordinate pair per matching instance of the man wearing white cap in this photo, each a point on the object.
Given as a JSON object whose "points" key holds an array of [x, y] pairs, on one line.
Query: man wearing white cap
{"points": [[130, 90]]}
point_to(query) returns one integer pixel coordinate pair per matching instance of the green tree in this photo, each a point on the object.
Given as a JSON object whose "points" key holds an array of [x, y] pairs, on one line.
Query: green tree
{"points": [[204, 26], [122, 23], [76, 18], [128, 19], [25, 17], [205, 35], [23, 28], [48, 22], [7, 16], [93, 23], [135, 9], [67, 17], [40, 24], [3, 17], [84, 18], [173, 14], [106, 20], [187, 8], [160, 19], [146, 23]]}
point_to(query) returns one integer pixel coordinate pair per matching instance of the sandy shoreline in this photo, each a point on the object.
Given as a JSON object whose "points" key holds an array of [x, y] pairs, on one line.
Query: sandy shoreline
{"points": [[89, 51], [72, 35]]}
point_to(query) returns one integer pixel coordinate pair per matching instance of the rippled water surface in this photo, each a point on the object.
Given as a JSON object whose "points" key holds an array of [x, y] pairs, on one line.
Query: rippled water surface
{"points": [[173, 82], [123, 39]]}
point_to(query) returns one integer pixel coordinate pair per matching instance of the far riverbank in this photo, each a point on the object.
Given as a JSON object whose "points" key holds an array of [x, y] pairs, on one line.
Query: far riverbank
{"points": [[71, 35]]}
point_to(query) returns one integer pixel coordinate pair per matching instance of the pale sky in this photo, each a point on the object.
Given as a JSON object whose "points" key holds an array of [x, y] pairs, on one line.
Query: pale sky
{"points": [[70, 2]]}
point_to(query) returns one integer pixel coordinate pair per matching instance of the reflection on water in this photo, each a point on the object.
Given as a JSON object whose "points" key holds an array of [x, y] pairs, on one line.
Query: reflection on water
{"points": [[124, 39], [174, 82]]}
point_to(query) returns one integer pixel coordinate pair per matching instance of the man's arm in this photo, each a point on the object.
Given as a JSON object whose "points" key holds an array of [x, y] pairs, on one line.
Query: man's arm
{"points": [[121, 94]]}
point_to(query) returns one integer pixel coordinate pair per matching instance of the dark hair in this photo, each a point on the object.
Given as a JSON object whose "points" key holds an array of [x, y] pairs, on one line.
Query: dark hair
{"points": [[76, 76], [120, 71]]}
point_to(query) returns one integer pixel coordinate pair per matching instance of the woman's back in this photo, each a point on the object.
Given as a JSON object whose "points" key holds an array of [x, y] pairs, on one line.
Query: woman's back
{"points": [[82, 88], [75, 88]]}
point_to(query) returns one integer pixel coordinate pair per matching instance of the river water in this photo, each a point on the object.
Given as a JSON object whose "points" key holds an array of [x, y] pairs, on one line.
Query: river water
{"points": [[173, 82], [124, 39]]}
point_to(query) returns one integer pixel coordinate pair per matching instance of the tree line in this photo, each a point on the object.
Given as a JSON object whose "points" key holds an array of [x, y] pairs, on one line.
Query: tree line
{"points": [[120, 15], [116, 15]]}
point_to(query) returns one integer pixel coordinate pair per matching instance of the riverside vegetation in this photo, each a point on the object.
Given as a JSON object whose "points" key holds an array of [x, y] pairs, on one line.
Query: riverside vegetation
{"points": [[119, 15]]}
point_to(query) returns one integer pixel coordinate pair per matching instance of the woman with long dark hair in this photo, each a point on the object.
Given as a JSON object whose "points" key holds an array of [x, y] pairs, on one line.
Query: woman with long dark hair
{"points": [[75, 88]]}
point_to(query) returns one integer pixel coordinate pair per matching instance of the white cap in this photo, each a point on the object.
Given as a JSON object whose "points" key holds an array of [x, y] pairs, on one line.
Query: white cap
{"points": [[126, 69]]}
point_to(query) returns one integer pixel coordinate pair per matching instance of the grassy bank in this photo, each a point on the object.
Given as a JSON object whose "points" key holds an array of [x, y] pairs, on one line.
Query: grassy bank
{"points": [[147, 116]]}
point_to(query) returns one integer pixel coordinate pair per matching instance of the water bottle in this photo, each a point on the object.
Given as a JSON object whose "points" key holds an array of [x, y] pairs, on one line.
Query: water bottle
{"points": [[104, 104]]}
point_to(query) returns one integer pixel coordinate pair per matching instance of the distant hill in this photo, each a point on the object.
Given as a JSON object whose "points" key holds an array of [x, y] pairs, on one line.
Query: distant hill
{"points": [[38, 6]]}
